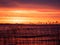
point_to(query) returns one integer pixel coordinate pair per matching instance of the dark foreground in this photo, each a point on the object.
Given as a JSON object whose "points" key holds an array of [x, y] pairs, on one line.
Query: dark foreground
{"points": [[27, 34]]}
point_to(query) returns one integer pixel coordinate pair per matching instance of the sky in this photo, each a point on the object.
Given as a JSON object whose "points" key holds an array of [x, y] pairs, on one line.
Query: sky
{"points": [[29, 11]]}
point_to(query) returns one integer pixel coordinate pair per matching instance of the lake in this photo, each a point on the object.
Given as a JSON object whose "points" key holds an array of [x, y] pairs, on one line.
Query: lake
{"points": [[29, 34]]}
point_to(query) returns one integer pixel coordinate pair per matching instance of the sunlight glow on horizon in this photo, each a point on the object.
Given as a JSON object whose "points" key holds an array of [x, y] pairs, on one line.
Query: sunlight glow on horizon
{"points": [[27, 16], [14, 20], [23, 20]]}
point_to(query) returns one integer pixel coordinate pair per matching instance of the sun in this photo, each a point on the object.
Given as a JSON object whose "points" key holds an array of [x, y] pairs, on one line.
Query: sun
{"points": [[17, 20], [13, 20]]}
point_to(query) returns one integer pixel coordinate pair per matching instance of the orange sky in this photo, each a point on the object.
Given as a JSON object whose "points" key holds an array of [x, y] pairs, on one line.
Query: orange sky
{"points": [[25, 15], [33, 12]]}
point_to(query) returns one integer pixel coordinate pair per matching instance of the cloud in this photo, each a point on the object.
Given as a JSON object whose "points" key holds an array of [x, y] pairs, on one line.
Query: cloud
{"points": [[19, 3]]}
